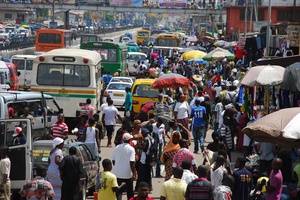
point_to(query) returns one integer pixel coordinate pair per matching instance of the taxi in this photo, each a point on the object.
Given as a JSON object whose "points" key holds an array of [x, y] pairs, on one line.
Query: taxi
{"points": [[117, 93]]}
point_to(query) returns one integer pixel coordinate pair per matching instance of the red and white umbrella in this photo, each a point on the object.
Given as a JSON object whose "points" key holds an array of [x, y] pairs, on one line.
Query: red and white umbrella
{"points": [[281, 127], [171, 81]]}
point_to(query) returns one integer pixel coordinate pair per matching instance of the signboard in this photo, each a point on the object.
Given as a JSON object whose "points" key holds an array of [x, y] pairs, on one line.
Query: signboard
{"points": [[258, 25], [88, 22], [137, 3], [120, 3], [53, 24], [293, 32], [241, 43], [172, 3]]}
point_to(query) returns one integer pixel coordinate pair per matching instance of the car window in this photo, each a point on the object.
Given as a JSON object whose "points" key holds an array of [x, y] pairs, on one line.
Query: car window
{"points": [[117, 86], [86, 154], [144, 90]]}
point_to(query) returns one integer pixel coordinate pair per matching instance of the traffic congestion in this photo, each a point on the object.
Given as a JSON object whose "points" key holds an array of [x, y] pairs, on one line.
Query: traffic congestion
{"points": [[157, 111]]}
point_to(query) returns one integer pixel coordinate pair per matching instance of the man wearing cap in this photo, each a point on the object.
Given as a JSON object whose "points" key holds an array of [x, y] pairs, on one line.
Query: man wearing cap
{"points": [[19, 137], [144, 169], [123, 158], [59, 128]]}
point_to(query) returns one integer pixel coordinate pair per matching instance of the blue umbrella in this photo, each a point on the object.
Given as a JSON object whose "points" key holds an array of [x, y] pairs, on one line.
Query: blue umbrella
{"points": [[198, 61]]}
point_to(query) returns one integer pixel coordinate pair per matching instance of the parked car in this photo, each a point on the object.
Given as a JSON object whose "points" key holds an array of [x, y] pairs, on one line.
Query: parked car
{"points": [[41, 149], [117, 93]]}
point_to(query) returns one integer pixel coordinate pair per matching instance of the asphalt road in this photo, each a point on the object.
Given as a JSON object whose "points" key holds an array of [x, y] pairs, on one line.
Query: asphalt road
{"points": [[157, 182]]}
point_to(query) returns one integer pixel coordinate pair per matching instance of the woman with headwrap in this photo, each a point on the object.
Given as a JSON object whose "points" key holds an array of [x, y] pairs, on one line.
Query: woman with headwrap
{"points": [[169, 151]]}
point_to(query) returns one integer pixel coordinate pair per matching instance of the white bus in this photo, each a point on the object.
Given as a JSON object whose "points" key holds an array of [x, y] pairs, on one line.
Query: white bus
{"points": [[24, 64], [71, 76]]}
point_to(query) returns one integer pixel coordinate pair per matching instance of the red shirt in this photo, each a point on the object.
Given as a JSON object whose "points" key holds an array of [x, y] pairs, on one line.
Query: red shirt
{"points": [[137, 198], [148, 106], [59, 129]]}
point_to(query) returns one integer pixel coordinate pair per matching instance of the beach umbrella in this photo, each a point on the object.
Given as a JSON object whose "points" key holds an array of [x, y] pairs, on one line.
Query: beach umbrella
{"points": [[281, 127], [193, 54], [198, 61], [219, 53], [171, 81]]}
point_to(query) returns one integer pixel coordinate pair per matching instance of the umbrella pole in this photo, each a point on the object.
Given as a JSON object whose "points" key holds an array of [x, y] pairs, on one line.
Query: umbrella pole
{"points": [[267, 99]]}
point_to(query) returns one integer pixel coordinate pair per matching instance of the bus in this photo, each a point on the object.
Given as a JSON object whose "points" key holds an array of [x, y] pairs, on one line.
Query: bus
{"points": [[71, 76], [141, 35], [49, 39], [113, 55], [24, 65], [89, 38], [167, 44], [168, 40]]}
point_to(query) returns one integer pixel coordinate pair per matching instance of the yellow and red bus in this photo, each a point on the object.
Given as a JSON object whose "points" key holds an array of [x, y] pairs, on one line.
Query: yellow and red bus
{"points": [[50, 39]]}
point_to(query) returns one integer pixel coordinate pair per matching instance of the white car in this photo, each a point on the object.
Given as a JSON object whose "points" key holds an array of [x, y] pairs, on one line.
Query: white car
{"points": [[117, 93], [125, 40], [121, 79], [133, 58]]}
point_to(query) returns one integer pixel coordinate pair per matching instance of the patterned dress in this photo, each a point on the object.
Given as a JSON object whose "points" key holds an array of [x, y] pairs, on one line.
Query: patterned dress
{"points": [[168, 163]]}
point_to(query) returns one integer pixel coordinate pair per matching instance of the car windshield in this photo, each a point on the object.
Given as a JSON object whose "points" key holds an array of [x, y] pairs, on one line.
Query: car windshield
{"points": [[145, 90], [121, 80], [117, 86], [137, 57]]}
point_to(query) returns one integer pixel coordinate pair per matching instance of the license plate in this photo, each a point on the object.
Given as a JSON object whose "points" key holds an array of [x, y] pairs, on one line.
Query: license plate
{"points": [[119, 95]]}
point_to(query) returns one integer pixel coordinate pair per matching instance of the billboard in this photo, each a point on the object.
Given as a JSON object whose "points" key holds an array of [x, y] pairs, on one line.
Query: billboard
{"points": [[172, 3], [126, 3]]}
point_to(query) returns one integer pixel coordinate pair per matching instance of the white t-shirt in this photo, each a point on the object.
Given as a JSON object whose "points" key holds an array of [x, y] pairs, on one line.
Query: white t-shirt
{"points": [[182, 110], [187, 176], [160, 131], [218, 90], [217, 176], [123, 155], [110, 113], [5, 168]]}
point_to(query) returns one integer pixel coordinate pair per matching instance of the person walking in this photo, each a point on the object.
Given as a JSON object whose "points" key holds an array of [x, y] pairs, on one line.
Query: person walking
{"points": [[108, 119], [169, 151], [198, 113], [71, 170], [59, 128], [159, 130], [243, 181], [184, 154], [181, 112], [91, 138], [89, 108], [5, 166], [123, 158], [274, 185], [128, 104], [109, 185], [174, 188], [38, 187], [200, 188], [53, 175], [142, 192]]}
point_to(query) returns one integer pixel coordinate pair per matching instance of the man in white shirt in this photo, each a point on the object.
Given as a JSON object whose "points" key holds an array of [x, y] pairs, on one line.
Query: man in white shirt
{"points": [[5, 166], [187, 175], [123, 158], [216, 174], [159, 129], [181, 111], [108, 119]]}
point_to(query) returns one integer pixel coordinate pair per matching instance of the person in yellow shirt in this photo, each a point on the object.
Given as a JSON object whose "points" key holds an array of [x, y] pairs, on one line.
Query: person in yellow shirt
{"points": [[109, 185], [175, 187]]}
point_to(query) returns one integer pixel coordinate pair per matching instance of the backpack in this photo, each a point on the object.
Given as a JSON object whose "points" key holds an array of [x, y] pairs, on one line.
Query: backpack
{"points": [[152, 156]]}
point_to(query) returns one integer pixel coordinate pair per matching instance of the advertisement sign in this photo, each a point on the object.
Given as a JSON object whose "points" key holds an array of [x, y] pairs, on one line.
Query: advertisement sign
{"points": [[126, 3], [137, 3], [241, 43], [258, 25], [293, 32], [172, 3]]}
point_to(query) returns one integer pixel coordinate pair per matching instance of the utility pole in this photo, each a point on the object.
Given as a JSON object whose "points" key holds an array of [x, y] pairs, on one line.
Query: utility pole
{"points": [[268, 30], [246, 18], [53, 14]]}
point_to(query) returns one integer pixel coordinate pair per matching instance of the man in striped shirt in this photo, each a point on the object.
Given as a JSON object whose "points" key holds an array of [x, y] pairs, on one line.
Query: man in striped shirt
{"points": [[199, 188], [59, 128]]}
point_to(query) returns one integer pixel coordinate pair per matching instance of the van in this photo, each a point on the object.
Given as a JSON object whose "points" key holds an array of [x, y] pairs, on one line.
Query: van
{"points": [[13, 76], [42, 107], [20, 155], [24, 65], [142, 92], [4, 77]]}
